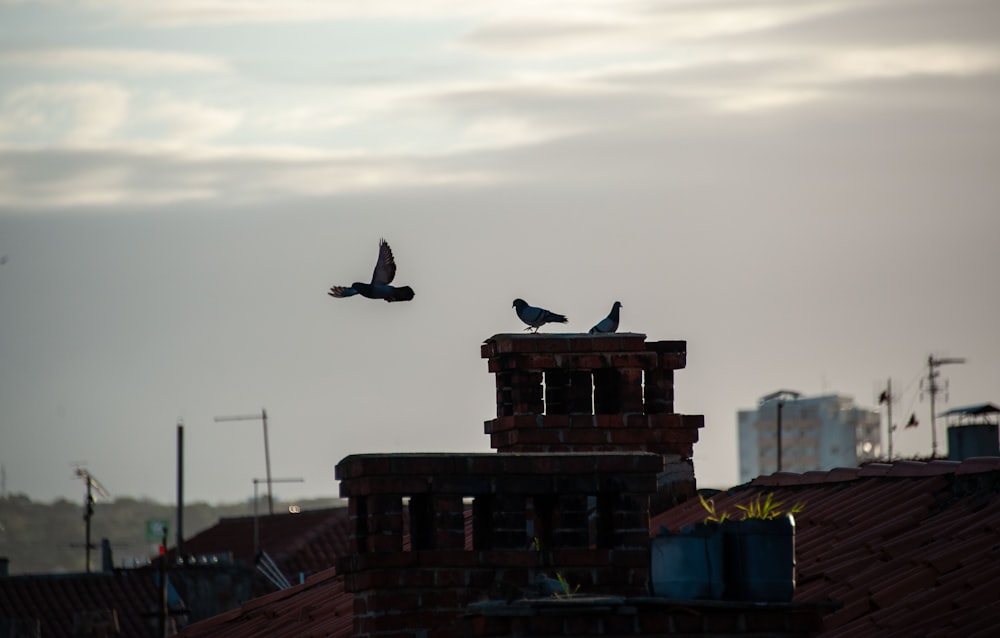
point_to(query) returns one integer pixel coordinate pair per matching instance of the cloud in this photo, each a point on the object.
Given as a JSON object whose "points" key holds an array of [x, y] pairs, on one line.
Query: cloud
{"points": [[913, 60], [189, 121], [631, 28], [177, 13], [130, 179], [74, 113], [128, 60]]}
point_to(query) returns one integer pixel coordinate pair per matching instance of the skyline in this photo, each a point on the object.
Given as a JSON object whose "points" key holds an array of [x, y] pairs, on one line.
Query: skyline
{"points": [[806, 194]]}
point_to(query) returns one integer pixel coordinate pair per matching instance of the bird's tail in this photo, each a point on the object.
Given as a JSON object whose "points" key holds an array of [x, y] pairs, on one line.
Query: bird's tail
{"points": [[554, 318]]}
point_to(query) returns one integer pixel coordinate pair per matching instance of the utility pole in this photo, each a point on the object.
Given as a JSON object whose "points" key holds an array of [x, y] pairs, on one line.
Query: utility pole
{"points": [[267, 453], [180, 489], [933, 388], [164, 611], [88, 507], [886, 397]]}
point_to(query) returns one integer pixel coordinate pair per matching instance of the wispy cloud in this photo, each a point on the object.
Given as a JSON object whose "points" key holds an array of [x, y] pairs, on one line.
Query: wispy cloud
{"points": [[75, 113], [135, 177], [187, 121], [134, 61], [178, 13]]}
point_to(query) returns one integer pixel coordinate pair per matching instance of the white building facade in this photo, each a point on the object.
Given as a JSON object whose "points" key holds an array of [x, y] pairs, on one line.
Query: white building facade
{"points": [[817, 433]]}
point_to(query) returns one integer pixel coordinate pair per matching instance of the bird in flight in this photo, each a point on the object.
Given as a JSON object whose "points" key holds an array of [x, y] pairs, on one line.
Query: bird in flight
{"points": [[610, 323], [379, 288], [535, 317]]}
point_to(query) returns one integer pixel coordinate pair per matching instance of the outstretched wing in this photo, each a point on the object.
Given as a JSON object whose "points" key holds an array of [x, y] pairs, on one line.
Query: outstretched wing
{"points": [[342, 291], [385, 267]]}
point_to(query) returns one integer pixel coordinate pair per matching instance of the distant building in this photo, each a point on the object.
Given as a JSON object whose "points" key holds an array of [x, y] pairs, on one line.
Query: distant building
{"points": [[817, 433], [973, 431]]}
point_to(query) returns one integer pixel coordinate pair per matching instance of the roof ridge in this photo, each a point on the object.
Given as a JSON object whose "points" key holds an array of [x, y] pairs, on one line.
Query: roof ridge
{"points": [[902, 468]]}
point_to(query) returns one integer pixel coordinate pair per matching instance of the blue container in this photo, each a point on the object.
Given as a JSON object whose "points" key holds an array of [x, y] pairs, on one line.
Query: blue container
{"points": [[688, 565], [760, 559]]}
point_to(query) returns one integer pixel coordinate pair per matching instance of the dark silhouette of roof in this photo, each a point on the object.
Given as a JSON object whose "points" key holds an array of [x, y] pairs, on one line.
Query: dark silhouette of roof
{"points": [[317, 607], [909, 548], [59, 601], [980, 408], [303, 543]]}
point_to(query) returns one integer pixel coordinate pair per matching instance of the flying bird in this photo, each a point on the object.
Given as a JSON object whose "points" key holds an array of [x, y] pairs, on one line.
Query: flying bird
{"points": [[379, 288], [610, 323], [535, 317]]}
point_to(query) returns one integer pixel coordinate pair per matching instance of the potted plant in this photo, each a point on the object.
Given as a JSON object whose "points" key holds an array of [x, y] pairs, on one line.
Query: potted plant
{"points": [[759, 550], [689, 564]]}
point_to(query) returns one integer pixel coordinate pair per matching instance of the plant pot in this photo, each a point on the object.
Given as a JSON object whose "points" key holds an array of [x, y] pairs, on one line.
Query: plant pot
{"points": [[688, 565], [760, 559]]}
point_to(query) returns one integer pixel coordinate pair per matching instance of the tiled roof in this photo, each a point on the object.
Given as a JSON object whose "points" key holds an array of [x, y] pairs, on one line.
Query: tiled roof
{"points": [[303, 543], [909, 548], [57, 600], [317, 607]]}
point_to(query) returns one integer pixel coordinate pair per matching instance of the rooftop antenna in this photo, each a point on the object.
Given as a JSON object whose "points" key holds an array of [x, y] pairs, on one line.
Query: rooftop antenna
{"points": [[933, 388], [267, 454], [93, 485], [887, 397]]}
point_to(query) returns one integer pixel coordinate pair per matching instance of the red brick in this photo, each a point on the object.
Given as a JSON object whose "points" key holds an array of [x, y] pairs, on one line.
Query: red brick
{"points": [[411, 578], [654, 622], [450, 578], [556, 421], [619, 624], [638, 360], [582, 421], [395, 601], [543, 626], [582, 625], [582, 361], [723, 621], [385, 543], [553, 345], [537, 362], [440, 599], [635, 558]]}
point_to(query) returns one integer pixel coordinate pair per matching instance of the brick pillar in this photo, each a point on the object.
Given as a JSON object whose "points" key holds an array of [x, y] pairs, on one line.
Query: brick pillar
{"points": [[601, 394], [583, 507]]}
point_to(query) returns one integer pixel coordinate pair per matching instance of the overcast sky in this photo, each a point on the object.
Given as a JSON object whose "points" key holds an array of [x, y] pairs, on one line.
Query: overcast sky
{"points": [[806, 192]]}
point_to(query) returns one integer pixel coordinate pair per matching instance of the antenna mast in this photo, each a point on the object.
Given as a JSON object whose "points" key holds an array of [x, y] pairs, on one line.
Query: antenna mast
{"points": [[933, 388], [93, 485], [886, 397]]}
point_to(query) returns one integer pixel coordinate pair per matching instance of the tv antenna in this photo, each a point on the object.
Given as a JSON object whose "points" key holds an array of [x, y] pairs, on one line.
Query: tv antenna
{"points": [[932, 388], [93, 485]]}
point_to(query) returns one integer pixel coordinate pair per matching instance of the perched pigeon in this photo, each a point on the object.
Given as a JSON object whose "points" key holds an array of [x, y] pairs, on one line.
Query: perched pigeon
{"points": [[379, 288], [610, 323], [536, 317]]}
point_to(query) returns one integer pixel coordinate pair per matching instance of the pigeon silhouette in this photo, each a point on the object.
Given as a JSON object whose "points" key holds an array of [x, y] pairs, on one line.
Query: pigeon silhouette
{"points": [[379, 288], [610, 323], [535, 317]]}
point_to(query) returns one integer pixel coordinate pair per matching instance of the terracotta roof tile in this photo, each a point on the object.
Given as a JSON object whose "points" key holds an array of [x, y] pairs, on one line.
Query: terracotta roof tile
{"points": [[303, 543], [909, 548], [317, 607], [874, 469], [56, 599], [980, 464]]}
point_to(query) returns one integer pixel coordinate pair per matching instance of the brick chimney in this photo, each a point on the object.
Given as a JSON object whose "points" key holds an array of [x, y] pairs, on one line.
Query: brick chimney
{"points": [[582, 393], [583, 430]]}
